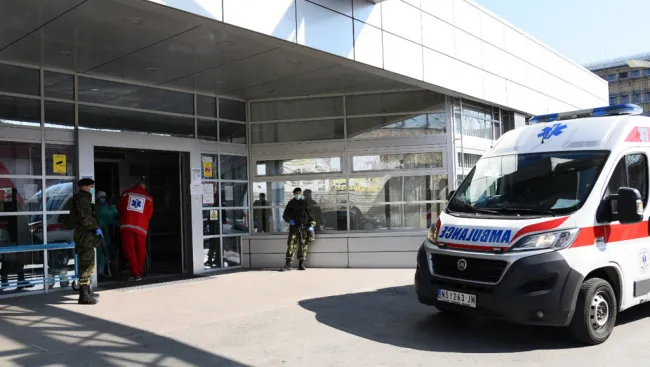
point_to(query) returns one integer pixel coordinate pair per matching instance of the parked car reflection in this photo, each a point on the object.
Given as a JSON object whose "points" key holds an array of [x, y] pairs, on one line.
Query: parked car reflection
{"points": [[336, 219]]}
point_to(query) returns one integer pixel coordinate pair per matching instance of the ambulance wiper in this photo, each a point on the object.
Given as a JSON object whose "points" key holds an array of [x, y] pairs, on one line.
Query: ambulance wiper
{"points": [[474, 209], [526, 210]]}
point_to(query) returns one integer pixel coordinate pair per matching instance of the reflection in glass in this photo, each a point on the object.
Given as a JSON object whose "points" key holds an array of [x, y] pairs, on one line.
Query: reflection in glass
{"points": [[399, 161], [61, 267], [20, 158], [398, 189], [298, 166], [234, 221], [20, 112], [396, 102], [107, 119], [58, 85], [211, 223], [206, 106], [332, 218], [322, 191], [21, 271], [231, 132], [232, 110], [19, 195], [231, 251], [285, 132], [17, 231], [233, 167], [207, 129], [262, 214], [396, 126], [394, 216], [134, 96], [59, 115], [61, 160], [234, 194], [297, 109], [212, 253], [16, 79]]}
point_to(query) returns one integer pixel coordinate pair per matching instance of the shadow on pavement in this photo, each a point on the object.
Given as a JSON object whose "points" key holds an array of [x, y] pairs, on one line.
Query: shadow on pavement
{"points": [[394, 316], [33, 332]]}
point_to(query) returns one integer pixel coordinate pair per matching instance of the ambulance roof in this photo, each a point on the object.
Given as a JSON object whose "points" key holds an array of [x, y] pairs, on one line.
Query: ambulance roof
{"points": [[590, 133]]}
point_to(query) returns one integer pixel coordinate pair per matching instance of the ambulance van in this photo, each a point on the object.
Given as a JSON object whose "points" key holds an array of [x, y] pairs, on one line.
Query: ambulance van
{"points": [[550, 227]]}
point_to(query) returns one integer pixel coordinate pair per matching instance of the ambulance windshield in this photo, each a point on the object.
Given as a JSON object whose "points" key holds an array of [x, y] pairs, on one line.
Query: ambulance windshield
{"points": [[531, 184]]}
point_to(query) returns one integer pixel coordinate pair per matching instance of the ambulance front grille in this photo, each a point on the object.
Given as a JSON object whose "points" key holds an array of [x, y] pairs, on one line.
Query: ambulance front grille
{"points": [[477, 270]]}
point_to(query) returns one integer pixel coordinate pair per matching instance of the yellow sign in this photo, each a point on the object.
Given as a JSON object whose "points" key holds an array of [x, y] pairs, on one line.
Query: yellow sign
{"points": [[207, 169], [60, 164], [214, 214]]}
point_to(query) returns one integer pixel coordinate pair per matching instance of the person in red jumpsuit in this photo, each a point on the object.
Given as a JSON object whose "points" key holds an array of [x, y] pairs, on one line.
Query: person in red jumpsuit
{"points": [[136, 209]]}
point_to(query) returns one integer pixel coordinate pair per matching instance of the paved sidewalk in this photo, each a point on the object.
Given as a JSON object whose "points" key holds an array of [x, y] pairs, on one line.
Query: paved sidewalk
{"points": [[261, 318]]}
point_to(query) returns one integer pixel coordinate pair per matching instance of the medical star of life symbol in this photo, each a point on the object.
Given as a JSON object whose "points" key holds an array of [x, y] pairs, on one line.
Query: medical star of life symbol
{"points": [[550, 131], [136, 203]]}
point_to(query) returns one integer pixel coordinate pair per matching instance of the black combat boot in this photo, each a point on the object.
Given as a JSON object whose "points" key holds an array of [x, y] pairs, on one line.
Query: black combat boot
{"points": [[287, 266], [301, 265], [92, 294], [85, 298]]}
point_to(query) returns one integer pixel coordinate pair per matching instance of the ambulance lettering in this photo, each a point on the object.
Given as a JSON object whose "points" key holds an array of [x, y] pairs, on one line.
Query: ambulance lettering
{"points": [[476, 235], [638, 135]]}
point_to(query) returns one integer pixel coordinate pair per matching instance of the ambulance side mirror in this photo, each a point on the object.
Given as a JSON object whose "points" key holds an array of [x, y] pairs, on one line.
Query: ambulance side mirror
{"points": [[451, 193], [629, 205]]}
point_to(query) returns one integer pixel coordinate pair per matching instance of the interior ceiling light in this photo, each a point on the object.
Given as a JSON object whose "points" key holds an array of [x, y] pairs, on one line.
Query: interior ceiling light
{"points": [[94, 89], [65, 53], [225, 43], [152, 70], [134, 20]]}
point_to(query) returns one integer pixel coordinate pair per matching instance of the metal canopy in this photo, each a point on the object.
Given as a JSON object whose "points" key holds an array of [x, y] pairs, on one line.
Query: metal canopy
{"points": [[150, 43]]}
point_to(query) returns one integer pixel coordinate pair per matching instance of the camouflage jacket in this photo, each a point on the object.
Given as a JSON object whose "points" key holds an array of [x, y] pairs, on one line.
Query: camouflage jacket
{"points": [[85, 212]]}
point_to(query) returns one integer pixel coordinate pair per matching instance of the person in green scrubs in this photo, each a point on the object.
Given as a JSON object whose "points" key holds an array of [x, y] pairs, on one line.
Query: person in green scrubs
{"points": [[108, 216]]}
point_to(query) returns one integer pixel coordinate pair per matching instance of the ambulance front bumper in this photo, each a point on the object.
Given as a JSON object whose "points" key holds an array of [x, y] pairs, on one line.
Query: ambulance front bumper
{"points": [[538, 290]]}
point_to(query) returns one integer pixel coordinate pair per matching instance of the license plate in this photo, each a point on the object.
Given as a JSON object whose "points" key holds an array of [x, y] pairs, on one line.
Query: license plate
{"points": [[458, 298]]}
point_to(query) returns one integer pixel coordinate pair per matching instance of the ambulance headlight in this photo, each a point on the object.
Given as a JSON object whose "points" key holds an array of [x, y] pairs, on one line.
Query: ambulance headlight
{"points": [[433, 234], [550, 240]]}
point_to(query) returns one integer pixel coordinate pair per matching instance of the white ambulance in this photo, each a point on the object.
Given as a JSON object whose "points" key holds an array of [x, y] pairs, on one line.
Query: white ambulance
{"points": [[550, 227]]}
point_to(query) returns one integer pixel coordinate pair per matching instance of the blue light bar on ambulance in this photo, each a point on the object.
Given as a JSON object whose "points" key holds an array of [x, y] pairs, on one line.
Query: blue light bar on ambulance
{"points": [[621, 109]]}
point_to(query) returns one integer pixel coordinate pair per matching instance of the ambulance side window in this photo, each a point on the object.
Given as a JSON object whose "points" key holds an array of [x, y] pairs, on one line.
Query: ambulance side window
{"points": [[631, 171]]}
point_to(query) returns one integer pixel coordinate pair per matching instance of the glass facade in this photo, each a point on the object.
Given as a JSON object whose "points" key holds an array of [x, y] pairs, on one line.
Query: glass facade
{"points": [[369, 162], [39, 112], [375, 189]]}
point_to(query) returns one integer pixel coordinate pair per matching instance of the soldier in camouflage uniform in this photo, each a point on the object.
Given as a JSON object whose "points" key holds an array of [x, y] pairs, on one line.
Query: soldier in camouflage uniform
{"points": [[301, 225], [86, 233]]}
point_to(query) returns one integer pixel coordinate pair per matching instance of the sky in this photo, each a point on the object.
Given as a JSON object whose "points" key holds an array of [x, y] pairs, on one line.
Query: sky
{"points": [[583, 30]]}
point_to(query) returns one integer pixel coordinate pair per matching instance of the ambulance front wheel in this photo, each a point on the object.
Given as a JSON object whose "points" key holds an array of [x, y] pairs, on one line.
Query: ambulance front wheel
{"points": [[595, 314]]}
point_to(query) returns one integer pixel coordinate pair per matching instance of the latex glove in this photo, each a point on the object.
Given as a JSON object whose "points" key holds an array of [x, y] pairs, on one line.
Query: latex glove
{"points": [[292, 223], [99, 232], [311, 229]]}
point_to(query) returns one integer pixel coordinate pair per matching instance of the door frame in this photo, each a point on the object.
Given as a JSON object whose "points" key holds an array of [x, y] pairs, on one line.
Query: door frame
{"points": [[90, 139]]}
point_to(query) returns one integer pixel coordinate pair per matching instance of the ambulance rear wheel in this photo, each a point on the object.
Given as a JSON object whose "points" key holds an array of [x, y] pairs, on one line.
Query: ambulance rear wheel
{"points": [[595, 314]]}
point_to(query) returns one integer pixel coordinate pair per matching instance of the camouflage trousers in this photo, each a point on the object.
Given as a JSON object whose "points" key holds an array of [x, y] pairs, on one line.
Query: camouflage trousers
{"points": [[298, 239], [85, 249]]}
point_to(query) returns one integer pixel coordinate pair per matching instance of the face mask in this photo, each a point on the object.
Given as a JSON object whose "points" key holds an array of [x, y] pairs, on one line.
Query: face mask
{"points": [[102, 200], [298, 196], [92, 192]]}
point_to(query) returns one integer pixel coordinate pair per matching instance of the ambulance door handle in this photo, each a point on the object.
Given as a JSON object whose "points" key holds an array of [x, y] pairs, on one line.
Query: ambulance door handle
{"points": [[600, 243]]}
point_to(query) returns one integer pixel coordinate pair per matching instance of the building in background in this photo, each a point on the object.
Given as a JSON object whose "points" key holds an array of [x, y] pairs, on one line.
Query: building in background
{"points": [[379, 109], [628, 78]]}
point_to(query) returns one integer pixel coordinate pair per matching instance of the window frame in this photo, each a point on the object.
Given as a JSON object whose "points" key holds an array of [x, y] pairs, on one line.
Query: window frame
{"points": [[276, 177], [601, 217], [396, 172]]}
